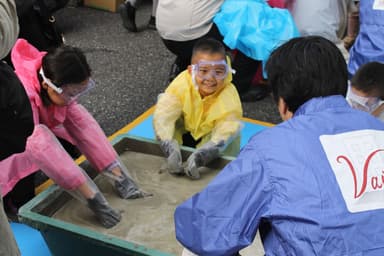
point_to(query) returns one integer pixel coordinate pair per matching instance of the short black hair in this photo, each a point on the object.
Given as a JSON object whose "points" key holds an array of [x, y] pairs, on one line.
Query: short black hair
{"points": [[370, 78], [66, 65], [208, 45], [304, 68]]}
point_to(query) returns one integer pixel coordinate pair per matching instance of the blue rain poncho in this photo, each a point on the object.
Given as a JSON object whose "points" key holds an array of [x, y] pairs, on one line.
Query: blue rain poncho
{"points": [[254, 28], [283, 176], [369, 44]]}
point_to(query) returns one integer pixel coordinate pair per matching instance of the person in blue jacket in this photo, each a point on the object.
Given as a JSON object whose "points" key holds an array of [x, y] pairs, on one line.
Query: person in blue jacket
{"points": [[369, 44], [312, 185]]}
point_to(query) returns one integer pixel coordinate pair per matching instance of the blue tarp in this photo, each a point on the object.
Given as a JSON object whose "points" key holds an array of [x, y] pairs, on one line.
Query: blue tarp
{"points": [[254, 28]]}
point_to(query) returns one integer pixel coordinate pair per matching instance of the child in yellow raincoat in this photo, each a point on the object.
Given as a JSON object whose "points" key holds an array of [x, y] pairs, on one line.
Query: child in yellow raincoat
{"points": [[200, 108]]}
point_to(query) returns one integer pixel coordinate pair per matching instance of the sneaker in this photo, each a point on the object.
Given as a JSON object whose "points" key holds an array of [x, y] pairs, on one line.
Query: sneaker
{"points": [[152, 23], [128, 14], [174, 72]]}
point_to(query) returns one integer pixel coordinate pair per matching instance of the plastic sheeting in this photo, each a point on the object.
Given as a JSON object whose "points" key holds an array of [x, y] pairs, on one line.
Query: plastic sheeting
{"points": [[254, 28]]}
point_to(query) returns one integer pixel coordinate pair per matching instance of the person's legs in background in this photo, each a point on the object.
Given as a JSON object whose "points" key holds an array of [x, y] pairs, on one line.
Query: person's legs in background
{"points": [[248, 87], [152, 19], [183, 52], [127, 12], [353, 25]]}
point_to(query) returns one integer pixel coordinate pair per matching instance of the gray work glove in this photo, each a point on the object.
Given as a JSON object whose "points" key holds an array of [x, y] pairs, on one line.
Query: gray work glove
{"points": [[127, 188], [172, 152], [201, 157], [107, 216]]}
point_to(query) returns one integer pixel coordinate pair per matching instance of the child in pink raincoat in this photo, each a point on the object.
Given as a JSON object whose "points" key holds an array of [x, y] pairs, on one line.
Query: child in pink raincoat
{"points": [[53, 81]]}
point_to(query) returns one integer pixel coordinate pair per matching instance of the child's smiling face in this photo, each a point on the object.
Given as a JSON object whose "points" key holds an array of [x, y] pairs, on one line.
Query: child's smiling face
{"points": [[210, 72]]}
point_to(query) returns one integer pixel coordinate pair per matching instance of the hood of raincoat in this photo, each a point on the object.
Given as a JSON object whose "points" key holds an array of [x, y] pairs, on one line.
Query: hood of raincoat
{"points": [[27, 61]]}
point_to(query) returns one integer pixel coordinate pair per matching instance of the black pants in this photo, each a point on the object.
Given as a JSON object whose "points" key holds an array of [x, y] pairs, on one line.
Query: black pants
{"points": [[245, 67], [189, 141]]}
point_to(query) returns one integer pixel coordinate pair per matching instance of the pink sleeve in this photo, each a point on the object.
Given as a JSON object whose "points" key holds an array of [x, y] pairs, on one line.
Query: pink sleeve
{"points": [[46, 152], [89, 137]]}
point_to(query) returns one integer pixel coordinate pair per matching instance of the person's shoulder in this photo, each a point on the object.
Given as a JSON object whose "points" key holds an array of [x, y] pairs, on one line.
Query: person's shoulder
{"points": [[180, 84], [231, 97], [229, 90]]}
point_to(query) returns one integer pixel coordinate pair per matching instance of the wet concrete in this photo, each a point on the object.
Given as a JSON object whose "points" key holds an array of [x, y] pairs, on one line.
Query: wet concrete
{"points": [[147, 221], [130, 70]]}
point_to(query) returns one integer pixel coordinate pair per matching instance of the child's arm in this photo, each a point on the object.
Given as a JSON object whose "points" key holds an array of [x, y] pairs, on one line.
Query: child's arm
{"points": [[168, 110], [226, 130], [201, 157], [222, 135]]}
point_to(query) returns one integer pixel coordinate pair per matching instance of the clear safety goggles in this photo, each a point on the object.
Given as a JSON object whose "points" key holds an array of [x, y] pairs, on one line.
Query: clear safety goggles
{"points": [[367, 104], [69, 92], [208, 69]]}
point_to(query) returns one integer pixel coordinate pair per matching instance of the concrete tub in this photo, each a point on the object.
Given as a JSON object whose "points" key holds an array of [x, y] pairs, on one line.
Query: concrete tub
{"points": [[64, 237]]}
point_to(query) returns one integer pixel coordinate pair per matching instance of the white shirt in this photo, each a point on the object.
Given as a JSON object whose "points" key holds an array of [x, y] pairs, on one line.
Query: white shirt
{"points": [[9, 26], [184, 20], [327, 18]]}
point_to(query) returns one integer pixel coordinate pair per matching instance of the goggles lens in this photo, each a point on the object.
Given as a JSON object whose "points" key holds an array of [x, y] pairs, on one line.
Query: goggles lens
{"points": [[69, 92], [367, 104], [208, 69], [73, 91]]}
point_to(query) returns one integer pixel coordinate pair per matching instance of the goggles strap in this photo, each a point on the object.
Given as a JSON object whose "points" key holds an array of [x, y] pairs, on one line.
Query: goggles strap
{"points": [[194, 76], [49, 83]]}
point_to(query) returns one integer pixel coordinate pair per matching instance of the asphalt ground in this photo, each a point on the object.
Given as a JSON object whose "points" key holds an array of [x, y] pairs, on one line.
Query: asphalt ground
{"points": [[130, 69]]}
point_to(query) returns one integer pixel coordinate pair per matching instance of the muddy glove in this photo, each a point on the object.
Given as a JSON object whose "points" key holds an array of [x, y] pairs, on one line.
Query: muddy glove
{"points": [[125, 187], [107, 216], [172, 152], [201, 157]]}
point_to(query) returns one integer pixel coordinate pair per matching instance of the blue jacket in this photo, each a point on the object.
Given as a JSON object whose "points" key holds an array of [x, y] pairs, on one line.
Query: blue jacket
{"points": [[369, 44], [282, 176]]}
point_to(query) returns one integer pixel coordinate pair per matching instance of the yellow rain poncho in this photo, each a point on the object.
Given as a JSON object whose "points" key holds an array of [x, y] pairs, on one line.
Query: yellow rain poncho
{"points": [[181, 109]]}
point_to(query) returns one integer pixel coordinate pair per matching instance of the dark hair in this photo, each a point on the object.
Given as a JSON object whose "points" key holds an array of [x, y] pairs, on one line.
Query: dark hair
{"points": [[304, 68], [64, 65], [208, 45], [369, 78]]}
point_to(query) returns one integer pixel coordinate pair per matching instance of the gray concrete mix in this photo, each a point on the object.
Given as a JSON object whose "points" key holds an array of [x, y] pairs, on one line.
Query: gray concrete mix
{"points": [[130, 69]]}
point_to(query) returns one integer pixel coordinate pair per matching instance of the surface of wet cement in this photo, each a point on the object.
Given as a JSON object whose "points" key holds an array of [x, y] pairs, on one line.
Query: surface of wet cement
{"points": [[146, 221]]}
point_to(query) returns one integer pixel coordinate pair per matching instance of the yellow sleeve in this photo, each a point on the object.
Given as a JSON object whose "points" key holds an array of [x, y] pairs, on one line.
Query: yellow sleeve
{"points": [[168, 109], [227, 129], [229, 125]]}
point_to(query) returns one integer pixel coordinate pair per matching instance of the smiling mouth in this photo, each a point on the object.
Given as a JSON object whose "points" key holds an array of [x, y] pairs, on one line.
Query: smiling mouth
{"points": [[210, 85]]}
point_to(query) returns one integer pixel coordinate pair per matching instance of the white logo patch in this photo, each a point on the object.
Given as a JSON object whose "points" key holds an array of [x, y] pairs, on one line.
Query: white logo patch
{"points": [[357, 159], [378, 5]]}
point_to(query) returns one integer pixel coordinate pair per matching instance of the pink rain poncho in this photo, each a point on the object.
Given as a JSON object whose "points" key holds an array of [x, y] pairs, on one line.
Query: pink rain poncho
{"points": [[43, 151]]}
